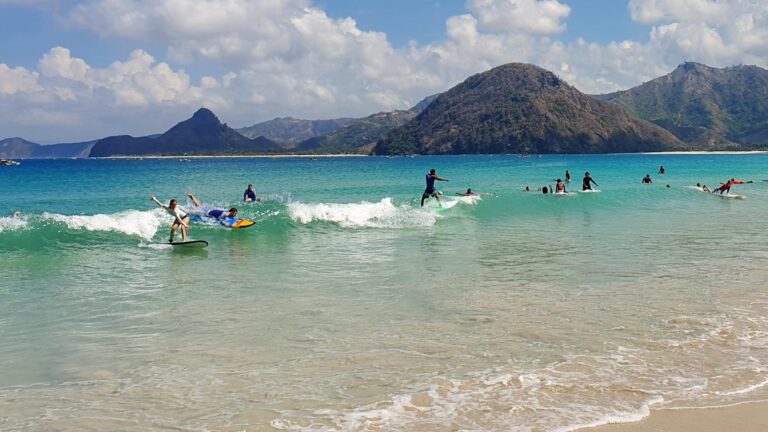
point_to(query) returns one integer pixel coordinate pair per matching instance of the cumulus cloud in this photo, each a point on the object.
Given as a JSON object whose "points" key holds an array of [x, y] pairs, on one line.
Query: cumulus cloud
{"points": [[288, 57], [529, 16]]}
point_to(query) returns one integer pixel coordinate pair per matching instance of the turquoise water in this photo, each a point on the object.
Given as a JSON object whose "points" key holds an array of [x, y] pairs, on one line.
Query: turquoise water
{"points": [[347, 307]]}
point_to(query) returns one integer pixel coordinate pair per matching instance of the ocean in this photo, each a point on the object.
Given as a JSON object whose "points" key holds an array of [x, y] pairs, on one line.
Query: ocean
{"points": [[349, 308]]}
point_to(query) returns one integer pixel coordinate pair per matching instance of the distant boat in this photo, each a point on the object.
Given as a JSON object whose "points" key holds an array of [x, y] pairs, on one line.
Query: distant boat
{"points": [[7, 162]]}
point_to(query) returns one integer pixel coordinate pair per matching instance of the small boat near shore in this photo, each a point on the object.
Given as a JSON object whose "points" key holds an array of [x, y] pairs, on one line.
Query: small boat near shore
{"points": [[8, 162]]}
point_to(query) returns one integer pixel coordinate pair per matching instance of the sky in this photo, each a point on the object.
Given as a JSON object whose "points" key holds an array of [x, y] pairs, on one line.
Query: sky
{"points": [[76, 70]]}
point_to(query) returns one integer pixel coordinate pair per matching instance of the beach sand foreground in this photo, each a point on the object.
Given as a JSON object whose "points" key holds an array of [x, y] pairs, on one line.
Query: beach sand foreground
{"points": [[746, 417]]}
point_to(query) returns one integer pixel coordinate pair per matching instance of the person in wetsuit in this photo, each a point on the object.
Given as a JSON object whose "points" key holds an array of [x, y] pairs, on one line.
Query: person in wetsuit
{"points": [[250, 195], [227, 218], [430, 191], [662, 170], [587, 182], [647, 179], [567, 176], [180, 218], [726, 187]]}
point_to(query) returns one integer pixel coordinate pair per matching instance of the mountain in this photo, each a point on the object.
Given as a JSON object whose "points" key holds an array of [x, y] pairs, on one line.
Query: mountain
{"points": [[359, 137], [203, 134], [18, 148], [291, 130], [707, 107], [423, 104], [67, 150], [520, 108]]}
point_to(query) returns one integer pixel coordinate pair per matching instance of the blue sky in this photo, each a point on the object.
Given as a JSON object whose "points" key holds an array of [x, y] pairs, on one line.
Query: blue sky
{"points": [[81, 69]]}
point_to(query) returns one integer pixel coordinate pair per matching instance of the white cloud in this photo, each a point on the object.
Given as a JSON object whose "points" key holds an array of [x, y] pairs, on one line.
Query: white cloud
{"points": [[17, 80], [651, 11], [58, 62], [538, 17]]}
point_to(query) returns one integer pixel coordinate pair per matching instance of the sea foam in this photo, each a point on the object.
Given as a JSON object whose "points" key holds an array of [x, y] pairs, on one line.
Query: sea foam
{"points": [[143, 224], [383, 214]]}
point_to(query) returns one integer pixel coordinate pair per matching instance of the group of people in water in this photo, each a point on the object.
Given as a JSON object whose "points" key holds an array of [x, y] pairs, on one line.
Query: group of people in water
{"points": [[586, 184], [182, 218]]}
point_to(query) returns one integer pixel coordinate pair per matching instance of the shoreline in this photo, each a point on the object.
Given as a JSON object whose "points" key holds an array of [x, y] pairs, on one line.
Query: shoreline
{"points": [[232, 156], [749, 416]]}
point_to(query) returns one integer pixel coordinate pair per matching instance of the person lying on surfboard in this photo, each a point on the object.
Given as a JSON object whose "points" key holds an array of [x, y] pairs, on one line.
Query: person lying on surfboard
{"points": [[430, 191], [585, 185], [703, 187], [227, 218], [181, 218], [726, 187]]}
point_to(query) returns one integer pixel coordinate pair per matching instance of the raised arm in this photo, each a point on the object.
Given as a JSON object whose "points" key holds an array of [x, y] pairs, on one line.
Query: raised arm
{"points": [[195, 201], [153, 198]]}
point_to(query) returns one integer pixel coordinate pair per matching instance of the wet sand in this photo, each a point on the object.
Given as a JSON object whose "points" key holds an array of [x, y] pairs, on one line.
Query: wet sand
{"points": [[746, 417]]}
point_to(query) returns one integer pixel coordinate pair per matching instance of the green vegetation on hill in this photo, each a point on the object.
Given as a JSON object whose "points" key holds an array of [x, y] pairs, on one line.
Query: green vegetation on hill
{"points": [[519, 108], [359, 137], [291, 130], [706, 107]]}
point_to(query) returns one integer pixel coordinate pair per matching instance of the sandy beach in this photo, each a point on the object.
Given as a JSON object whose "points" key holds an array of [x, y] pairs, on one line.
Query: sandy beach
{"points": [[745, 417]]}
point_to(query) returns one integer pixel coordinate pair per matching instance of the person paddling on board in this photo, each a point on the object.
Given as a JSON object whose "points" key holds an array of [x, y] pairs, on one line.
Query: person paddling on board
{"points": [[726, 187], [250, 195], [430, 191], [587, 182], [567, 176], [560, 187], [180, 218], [228, 218], [647, 179], [468, 193], [703, 187]]}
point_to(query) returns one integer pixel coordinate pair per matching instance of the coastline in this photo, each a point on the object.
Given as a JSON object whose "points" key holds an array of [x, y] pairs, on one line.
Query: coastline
{"points": [[751, 416], [269, 156], [701, 152]]}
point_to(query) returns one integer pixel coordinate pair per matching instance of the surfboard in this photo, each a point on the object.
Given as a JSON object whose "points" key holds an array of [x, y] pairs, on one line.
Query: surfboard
{"points": [[195, 244], [243, 223], [445, 205], [590, 191], [724, 196], [561, 194]]}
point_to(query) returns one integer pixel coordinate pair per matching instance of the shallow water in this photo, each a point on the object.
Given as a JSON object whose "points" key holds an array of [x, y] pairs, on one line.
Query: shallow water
{"points": [[347, 307]]}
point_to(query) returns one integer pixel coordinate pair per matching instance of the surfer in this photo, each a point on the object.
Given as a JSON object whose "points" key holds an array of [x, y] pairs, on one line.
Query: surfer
{"points": [[430, 191], [567, 176], [227, 218], [560, 186], [468, 193], [703, 187], [662, 170], [250, 195], [647, 179], [16, 214], [546, 189], [587, 182], [181, 218], [726, 187], [527, 189]]}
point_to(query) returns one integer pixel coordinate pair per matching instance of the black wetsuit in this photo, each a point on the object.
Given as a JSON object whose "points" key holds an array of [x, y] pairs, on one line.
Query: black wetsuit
{"points": [[586, 184]]}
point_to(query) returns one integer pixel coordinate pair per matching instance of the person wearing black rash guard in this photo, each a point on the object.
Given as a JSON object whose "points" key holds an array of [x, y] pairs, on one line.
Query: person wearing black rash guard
{"points": [[647, 179], [430, 191], [587, 182]]}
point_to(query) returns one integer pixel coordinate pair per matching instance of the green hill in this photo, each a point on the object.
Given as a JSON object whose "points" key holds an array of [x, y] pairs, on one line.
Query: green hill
{"points": [[359, 137], [708, 108], [520, 108]]}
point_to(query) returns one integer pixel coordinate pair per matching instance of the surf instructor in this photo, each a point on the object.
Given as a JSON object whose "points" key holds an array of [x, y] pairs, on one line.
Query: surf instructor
{"points": [[181, 218], [587, 182], [430, 191]]}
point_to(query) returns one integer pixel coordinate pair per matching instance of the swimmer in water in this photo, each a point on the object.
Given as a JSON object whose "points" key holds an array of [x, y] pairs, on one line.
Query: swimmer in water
{"points": [[560, 187]]}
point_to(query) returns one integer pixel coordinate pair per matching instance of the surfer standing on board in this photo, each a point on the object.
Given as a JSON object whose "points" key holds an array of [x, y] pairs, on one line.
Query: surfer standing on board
{"points": [[587, 182], [430, 191], [181, 218]]}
